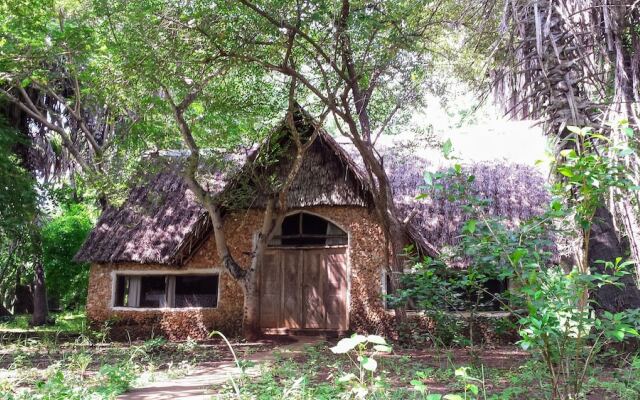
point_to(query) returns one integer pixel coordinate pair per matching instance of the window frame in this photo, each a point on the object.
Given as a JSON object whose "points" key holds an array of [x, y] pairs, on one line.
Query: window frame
{"points": [[204, 272], [327, 237]]}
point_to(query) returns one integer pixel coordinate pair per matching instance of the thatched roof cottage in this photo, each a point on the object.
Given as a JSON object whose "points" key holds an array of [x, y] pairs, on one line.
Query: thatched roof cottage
{"points": [[154, 266]]}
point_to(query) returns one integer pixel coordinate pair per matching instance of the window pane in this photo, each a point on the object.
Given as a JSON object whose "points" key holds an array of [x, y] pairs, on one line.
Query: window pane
{"points": [[122, 289], [316, 228], [152, 291], [196, 291], [290, 227]]}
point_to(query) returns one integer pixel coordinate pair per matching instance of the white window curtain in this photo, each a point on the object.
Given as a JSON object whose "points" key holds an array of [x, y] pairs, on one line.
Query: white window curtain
{"points": [[171, 291], [133, 297]]}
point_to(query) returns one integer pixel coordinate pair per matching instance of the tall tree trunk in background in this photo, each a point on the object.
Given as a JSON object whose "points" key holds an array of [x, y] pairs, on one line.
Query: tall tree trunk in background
{"points": [[40, 308], [623, 50], [605, 246], [563, 59]]}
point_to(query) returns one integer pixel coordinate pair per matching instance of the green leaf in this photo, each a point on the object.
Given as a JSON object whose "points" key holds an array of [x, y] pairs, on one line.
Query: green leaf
{"points": [[447, 148], [434, 396], [376, 339], [347, 377], [470, 226], [626, 151], [453, 397], [617, 335], [598, 136], [517, 255], [369, 363], [428, 178], [574, 129], [566, 171], [347, 344], [418, 385], [472, 388], [383, 348]]}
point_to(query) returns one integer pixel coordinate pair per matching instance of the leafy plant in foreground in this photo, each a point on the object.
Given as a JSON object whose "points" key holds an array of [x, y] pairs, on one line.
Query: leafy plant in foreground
{"points": [[361, 351], [558, 319]]}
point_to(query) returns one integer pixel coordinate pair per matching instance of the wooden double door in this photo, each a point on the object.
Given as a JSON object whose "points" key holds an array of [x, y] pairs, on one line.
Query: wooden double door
{"points": [[304, 289]]}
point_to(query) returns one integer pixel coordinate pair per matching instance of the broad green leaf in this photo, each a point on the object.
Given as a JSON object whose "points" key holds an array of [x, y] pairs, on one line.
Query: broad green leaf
{"points": [[472, 388], [376, 339], [383, 348], [574, 129], [566, 171], [428, 178], [470, 226], [615, 334], [344, 346], [347, 377], [598, 136], [418, 385], [626, 151], [369, 363], [447, 148]]}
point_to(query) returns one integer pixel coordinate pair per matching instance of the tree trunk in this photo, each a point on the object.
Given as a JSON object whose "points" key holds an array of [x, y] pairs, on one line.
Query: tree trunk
{"points": [[629, 217], [605, 246], [40, 309], [251, 317]]}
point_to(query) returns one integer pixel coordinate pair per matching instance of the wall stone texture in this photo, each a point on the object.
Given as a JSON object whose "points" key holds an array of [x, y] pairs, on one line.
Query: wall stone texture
{"points": [[365, 257]]}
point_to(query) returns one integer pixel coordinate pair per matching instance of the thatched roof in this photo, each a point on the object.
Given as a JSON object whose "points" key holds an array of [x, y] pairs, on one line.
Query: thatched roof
{"points": [[154, 221], [161, 221]]}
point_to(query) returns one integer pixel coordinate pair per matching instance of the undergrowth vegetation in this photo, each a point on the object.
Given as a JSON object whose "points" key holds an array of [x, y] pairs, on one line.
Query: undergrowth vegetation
{"points": [[54, 367], [354, 369]]}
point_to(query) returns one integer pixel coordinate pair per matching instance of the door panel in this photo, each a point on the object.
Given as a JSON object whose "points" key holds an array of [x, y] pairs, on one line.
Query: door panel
{"points": [[304, 289], [270, 291], [335, 292], [314, 276], [291, 303]]}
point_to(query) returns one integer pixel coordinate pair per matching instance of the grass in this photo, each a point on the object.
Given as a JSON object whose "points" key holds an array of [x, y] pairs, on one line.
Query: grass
{"points": [[56, 367], [66, 322], [316, 373]]}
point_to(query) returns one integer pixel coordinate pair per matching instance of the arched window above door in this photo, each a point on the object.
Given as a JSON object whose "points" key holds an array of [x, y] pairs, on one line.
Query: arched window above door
{"points": [[307, 230]]}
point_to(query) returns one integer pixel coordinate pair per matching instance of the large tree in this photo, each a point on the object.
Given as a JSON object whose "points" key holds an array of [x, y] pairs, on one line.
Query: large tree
{"points": [[56, 90], [577, 63], [363, 65]]}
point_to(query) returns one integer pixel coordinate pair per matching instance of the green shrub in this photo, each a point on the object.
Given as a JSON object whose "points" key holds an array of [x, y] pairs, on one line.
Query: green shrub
{"points": [[61, 238]]}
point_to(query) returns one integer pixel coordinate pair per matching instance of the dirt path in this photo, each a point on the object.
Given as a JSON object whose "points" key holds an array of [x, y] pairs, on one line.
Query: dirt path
{"points": [[197, 385]]}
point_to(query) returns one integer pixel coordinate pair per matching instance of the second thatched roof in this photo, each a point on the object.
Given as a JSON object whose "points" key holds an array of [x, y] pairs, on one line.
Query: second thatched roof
{"points": [[162, 222]]}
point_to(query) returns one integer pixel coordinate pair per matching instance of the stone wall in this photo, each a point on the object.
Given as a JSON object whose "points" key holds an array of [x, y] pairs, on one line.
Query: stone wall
{"points": [[366, 257]]}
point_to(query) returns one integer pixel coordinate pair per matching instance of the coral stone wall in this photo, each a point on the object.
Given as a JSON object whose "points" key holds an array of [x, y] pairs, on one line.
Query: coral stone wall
{"points": [[365, 256], [173, 324]]}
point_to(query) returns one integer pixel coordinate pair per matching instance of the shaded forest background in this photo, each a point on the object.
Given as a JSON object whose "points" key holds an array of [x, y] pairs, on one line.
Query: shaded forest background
{"points": [[87, 88]]}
